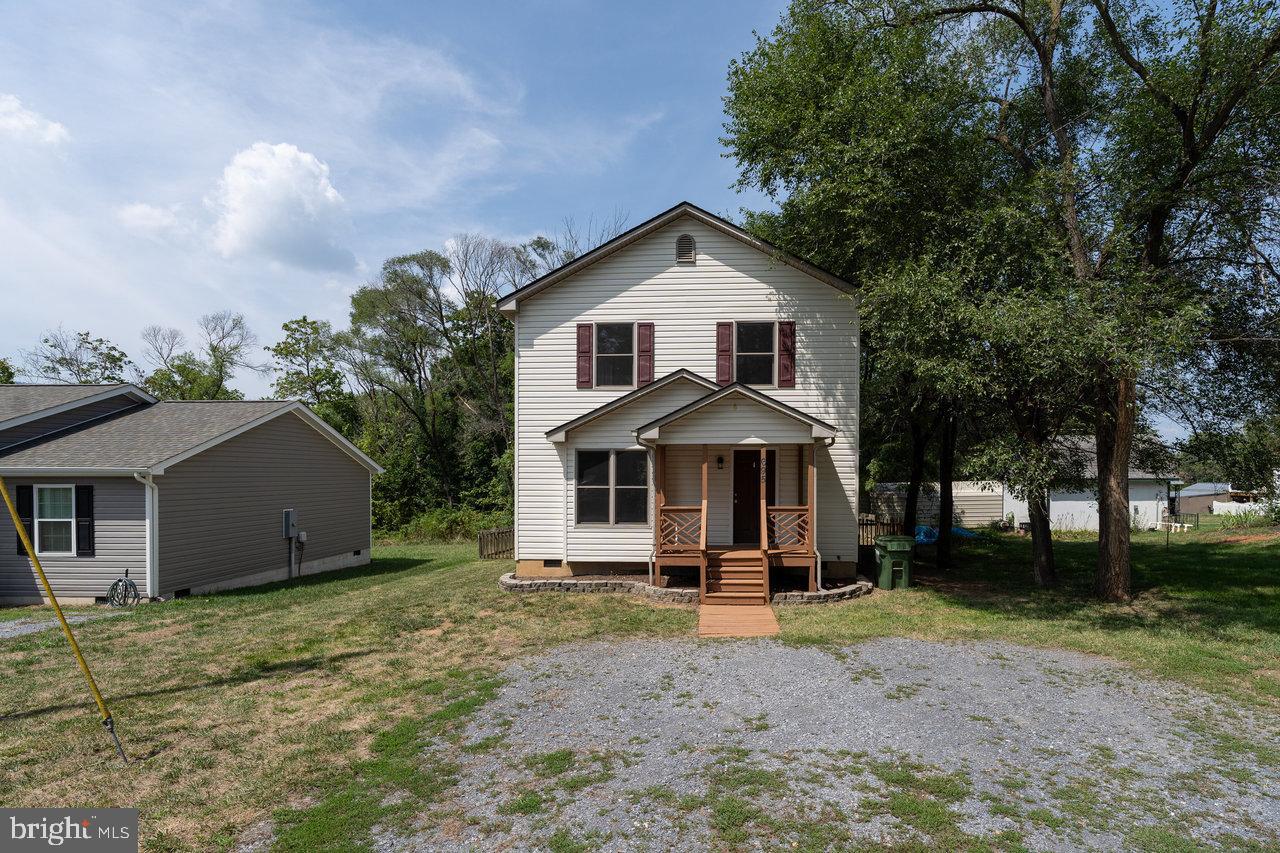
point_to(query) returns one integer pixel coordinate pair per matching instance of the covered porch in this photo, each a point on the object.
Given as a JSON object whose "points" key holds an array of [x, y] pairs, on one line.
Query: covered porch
{"points": [[735, 493], [758, 537]]}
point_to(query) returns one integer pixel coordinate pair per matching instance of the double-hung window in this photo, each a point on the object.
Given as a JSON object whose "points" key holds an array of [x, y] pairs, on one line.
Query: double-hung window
{"points": [[613, 487], [55, 520], [615, 355], [754, 353]]}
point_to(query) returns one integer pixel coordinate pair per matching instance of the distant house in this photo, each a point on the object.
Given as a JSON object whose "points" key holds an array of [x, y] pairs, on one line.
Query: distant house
{"points": [[1200, 497], [1070, 507], [187, 497]]}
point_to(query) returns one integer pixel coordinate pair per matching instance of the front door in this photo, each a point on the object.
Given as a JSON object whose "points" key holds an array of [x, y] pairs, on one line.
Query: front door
{"points": [[746, 493]]}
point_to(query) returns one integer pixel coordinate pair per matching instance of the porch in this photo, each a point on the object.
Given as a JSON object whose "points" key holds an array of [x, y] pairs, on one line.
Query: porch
{"points": [[766, 538]]}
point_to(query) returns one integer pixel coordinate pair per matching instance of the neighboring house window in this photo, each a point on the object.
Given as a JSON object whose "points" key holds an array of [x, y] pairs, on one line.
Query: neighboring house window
{"points": [[615, 354], [686, 250], [55, 520], [754, 353], [613, 487]]}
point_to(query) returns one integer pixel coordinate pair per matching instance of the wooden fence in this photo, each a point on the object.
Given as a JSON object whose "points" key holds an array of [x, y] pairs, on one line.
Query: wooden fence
{"points": [[870, 526], [498, 544]]}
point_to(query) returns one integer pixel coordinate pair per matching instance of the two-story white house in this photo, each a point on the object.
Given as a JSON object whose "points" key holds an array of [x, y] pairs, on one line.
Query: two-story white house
{"points": [[687, 403]]}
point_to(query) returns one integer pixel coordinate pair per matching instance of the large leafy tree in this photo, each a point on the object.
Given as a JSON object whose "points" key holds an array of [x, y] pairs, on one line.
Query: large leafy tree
{"points": [[77, 358], [226, 345], [1138, 144]]}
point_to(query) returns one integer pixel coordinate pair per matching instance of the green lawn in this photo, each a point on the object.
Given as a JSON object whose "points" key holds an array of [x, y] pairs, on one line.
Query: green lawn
{"points": [[308, 702]]}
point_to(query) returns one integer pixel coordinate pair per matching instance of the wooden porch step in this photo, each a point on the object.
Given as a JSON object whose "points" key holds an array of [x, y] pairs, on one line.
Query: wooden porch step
{"points": [[755, 571], [731, 585], [735, 598]]}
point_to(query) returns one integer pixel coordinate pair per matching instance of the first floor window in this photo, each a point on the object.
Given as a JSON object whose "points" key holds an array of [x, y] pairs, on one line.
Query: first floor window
{"points": [[613, 487], [754, 351], [55, 519]]}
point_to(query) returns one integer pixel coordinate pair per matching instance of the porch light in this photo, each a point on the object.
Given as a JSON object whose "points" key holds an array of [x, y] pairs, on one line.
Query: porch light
{"points": [[719, 463]]}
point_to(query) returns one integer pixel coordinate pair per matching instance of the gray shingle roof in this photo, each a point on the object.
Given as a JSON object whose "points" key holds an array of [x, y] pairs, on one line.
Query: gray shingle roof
{"points": [[19, 400], [1146, 455], [141, 437]]}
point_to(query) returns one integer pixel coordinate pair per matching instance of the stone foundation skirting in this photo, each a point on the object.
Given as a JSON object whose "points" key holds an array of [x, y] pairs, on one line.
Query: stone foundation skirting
{"points": [[675, 595], [823, 596]]}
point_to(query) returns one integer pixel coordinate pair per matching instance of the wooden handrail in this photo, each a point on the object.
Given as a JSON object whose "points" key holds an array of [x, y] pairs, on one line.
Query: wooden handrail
{"points": [[781, 508], [673, 508]]}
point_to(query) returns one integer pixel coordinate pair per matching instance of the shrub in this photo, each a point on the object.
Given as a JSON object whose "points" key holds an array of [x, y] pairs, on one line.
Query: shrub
{"points": [[444, 524], [1247, 518]]}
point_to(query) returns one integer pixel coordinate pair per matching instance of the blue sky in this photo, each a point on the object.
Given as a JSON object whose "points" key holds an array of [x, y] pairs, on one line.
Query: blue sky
{"points": [[161, 161]]}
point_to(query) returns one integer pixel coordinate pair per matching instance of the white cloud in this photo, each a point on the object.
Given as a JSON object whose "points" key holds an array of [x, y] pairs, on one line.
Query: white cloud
{"points": [[276, 201], [156, 222], [21, 123]]}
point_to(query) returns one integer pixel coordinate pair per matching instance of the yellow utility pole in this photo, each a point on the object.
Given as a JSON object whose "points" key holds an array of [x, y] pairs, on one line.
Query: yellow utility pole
{"points": [[108, 723]]}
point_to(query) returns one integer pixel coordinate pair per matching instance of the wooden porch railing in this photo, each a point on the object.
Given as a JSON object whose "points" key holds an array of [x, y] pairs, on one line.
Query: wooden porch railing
{"points": [[680, 529], [789, 529]]}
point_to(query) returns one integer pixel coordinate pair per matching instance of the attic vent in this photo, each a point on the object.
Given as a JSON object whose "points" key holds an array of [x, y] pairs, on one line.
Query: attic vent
{"points": [[686, 250]]}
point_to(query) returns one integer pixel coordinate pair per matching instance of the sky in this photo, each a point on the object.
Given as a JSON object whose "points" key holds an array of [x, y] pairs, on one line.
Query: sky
{"points": [[160, 161]]}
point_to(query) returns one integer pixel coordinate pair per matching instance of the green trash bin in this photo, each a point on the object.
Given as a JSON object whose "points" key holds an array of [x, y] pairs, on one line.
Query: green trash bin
{"points": [[893, 557]]}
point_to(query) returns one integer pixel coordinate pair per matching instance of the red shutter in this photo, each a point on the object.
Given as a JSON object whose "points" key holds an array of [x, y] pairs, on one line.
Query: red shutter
{"points": [[724, 353], [586, 334], [787, 354], [644, 354]]}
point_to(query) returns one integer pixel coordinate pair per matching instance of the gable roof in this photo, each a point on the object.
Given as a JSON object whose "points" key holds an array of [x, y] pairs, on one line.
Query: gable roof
{"points": [[820, 428], [1145, 450], [155, 437], [20, 404], [557, 434], [510, 302]]}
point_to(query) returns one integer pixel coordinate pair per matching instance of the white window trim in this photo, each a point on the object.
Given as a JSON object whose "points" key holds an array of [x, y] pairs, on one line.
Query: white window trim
{"points": [[774, 381], [595, 354], [612, 487], [35, 517]]}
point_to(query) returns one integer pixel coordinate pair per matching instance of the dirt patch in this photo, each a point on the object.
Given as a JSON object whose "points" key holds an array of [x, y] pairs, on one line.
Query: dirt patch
{"points": [[1251, 538]]}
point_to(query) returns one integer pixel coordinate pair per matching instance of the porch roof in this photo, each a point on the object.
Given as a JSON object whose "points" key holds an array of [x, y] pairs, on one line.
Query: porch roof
{"points": [[558, 434], [766, 405]]}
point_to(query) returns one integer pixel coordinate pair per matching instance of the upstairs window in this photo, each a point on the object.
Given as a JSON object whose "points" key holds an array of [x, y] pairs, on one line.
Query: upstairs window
{"points": [[686, 250], [754, 353], [615, 355], [613, 487]]}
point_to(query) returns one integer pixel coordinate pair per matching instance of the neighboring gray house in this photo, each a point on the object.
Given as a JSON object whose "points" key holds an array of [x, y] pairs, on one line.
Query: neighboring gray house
{"points": [[189, 497]]}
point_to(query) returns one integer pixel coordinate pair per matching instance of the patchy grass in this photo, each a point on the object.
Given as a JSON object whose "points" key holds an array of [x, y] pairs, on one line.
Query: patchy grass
{"points": [[330, 704], [318, 702], [1206, 609]]}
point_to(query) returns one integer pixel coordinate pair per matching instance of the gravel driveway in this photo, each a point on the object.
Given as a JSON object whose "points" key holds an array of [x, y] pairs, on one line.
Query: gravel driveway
{"points": [[755, 744], [31, 625]]}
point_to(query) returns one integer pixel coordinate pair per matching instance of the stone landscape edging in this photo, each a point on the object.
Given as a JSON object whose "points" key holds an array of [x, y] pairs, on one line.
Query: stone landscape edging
{"points": [[676, 595]]}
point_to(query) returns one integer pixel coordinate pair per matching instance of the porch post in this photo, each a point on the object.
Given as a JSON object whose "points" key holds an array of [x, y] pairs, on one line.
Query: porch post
{"points": [[764, 499], [659, 494], [702, 534], [812, 476]]}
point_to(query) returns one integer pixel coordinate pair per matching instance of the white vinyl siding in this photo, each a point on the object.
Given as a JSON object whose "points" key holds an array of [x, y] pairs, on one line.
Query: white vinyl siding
{"points": [[743, 420], [730, 282]]}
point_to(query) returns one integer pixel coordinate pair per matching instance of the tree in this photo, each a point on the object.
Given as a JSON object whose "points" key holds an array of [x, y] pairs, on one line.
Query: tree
{"points": [[226, 345], [1140, 142], [1153, 131], [864, 137], [77, 358], [7, 373], [306, 362]]}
